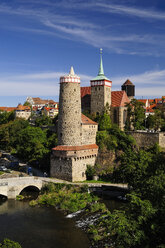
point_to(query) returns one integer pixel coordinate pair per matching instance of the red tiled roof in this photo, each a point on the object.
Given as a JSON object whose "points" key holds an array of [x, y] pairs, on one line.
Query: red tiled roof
{"points": [[142, 100], [151, 101], [75, 148], [85, 91], [128, 82], [21, 107], [7, 109], [151, 108], [87, 121], [38, 100], [50, 108], [119, 98]]}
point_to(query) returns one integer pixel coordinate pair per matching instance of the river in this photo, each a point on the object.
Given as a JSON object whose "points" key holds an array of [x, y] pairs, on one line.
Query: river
{"points": [[42, 227], [39, 227]]}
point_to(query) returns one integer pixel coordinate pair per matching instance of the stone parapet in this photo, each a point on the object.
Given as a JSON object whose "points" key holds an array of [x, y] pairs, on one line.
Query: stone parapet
{"points": [[70, 163], [148, 139]]}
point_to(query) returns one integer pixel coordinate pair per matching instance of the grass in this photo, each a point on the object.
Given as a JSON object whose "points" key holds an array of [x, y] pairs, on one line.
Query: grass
{"points": [[95, 181]]}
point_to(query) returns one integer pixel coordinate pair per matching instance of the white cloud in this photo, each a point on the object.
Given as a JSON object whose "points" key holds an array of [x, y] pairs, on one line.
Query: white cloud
{"points": [[47, 22], [37, 84], [125, 10], [149, 83]]}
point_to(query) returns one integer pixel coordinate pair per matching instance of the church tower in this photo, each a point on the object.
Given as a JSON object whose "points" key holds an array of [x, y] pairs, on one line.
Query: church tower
{"points": [[100, 90]]}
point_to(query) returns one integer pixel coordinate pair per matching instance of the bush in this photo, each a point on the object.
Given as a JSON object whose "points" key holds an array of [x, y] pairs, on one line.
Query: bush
{"points": [[19, 197], [90, 172], [7, 243]]}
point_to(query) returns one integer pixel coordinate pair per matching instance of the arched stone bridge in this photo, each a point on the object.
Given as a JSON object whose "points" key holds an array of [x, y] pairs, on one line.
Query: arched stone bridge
{"points": [[11, 187]]}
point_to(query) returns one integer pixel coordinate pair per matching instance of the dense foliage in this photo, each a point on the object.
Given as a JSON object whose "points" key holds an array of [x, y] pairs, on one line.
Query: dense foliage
{"points": [[43, 120], [135, 115], [69, 198], [31, 144], [114, 139], [7, 243], [142, 223], [5, 117]]}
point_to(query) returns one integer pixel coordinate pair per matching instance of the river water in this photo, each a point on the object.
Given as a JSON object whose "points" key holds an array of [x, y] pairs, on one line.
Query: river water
{"points": [[39, 227], [42, 227]]}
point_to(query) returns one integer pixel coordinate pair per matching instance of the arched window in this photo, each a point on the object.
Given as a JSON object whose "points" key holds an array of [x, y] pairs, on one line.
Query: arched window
{"points": [[115, 116], [124, 116]]}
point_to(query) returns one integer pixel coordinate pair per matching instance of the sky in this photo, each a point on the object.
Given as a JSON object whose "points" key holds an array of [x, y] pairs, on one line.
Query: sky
{"points": [[41, 39]]}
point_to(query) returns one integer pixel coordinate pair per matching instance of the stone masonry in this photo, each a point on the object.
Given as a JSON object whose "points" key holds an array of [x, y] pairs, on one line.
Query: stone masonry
{"points": [[76, 134], [148, 139]]}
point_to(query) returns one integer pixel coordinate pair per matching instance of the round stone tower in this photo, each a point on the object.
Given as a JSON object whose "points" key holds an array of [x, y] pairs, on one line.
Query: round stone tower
{"points": [[69, 120]]}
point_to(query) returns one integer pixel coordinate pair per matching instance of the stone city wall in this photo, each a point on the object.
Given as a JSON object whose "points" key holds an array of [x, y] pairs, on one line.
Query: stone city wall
{"points": [[148, 139]]}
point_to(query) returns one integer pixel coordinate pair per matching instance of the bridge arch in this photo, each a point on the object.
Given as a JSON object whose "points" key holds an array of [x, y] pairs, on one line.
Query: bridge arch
{"points": [[29, 188], [3, 196]]}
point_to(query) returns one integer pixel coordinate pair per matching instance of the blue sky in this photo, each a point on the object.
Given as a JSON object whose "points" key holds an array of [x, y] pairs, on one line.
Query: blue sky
{"points": [[40, 40]]}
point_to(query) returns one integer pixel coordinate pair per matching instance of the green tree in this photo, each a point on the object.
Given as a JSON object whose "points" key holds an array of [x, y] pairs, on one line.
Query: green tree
{"points": [[104, 121], [7, 243], [135, 115], [5, 117], [27, 104], [144, 171], [43, 121], [31, 144]]}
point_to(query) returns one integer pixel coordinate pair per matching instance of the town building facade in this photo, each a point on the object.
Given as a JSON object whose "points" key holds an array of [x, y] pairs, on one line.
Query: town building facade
{"points": [[23, 112]]}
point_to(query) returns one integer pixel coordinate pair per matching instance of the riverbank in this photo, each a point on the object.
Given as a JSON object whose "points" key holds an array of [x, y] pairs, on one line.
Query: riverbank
{"points": [[76, 202]]}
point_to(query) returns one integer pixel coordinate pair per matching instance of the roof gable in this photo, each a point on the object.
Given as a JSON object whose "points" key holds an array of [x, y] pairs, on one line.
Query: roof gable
{"points": [[85, 91], [119, 98], [86, 121]]}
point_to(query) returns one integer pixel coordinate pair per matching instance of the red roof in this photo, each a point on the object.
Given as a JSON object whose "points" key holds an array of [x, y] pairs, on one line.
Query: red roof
{"points": [[87, 121], [75, 148], [50, 108], [21, 107], [142, 100], [128, 82], [119, 98], [7, 109], [85, 91]]}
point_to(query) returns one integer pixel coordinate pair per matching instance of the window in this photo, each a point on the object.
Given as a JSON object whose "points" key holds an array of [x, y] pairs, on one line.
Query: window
{"points": [[124, 116], [115, 116]]}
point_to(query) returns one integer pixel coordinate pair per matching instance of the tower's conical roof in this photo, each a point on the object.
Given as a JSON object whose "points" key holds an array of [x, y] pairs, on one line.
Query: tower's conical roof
{"points": [[128, 82], [100, 75], [71, 71]]}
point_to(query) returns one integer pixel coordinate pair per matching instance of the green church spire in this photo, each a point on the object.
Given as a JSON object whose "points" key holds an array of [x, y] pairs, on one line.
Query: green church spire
{"points": [[101, 70], [100, 75]]}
